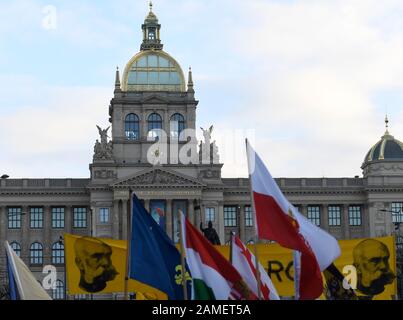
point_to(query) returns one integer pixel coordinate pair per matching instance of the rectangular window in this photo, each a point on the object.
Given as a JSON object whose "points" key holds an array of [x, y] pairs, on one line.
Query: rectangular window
{"points": [[104, 215], [36, 218], [80, 217], [248, 216], [14, 218], [314, 215], [230, 216], [58, 218], [209, 214], [397, 214], [354, 215], [334, 213]]}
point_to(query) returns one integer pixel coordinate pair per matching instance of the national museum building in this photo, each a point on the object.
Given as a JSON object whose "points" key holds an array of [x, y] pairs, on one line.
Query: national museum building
{"points": [[152, 96]]}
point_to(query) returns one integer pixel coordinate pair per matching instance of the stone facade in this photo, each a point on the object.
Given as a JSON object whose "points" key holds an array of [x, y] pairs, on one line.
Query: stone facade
{"points": [[102, 200]]}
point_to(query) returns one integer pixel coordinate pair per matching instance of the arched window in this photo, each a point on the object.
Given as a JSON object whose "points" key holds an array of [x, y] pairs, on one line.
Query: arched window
{"points": [[58, 253], [16, 247], [132, 127], [58, 291], [154, 122], [177, 125], [36, 253]]}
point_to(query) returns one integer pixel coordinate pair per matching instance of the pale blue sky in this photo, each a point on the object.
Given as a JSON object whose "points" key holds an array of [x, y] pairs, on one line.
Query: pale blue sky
{"points": [[313, 78]]}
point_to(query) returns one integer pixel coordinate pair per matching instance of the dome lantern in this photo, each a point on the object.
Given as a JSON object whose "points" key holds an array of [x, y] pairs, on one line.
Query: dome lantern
{"points": [[151, 32]]}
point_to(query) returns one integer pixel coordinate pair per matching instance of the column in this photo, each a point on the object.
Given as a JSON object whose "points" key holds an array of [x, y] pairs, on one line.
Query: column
{"points": [[3, 237], [25, 244], [345, 222], [115, 220], [168, 216], [144, 126], [242, 222], [221, 229], [197, 216], [3, 224], [324, 217], [147, 205], [304, 209], [191, 211], [124, 219], [68, 214], [47, 243]]}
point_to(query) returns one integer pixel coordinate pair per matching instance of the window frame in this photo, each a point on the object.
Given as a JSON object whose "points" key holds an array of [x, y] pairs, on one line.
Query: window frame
{"points": [[230, 221], [77, 220], [352, 217], [153, 124], [248, 216], [334, 221], [394, 207], [16, 222], [208, 211], [58, 293], [180, 125], [36, 217], [132, 126], [58, 253], [36, 254], [316, 219], [16, 250], [58, 217], [102, 215]]}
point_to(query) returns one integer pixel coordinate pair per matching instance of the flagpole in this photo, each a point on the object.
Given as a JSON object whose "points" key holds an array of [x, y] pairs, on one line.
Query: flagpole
{"points": [[230, 246], [129, 213], [259, 292], [297, 273], [182, 251]]}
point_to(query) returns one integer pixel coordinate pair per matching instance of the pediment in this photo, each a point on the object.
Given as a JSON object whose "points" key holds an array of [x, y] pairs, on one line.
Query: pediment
{"points": [[159, 178], [154, 99]]}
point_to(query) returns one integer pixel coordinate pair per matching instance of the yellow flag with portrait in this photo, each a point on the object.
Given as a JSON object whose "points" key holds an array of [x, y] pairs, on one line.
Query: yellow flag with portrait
{"points": [[98, 265], [369, 263]]}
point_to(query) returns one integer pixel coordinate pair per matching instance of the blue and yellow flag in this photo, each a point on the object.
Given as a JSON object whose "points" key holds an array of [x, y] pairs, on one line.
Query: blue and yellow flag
{"points": [[154, 259]]}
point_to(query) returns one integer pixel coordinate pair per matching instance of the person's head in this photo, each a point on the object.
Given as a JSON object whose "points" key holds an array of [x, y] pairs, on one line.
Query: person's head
{"points": [[93, 258], [371, 258], [210, 224]]}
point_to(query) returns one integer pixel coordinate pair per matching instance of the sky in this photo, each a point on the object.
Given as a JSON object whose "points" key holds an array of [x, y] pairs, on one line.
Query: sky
{"points": [[308, 81]]}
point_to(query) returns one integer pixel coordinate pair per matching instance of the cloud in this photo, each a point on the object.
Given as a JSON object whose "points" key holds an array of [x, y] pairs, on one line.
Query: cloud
{"points": [[310, 78], [53, 133], [314, 68]]}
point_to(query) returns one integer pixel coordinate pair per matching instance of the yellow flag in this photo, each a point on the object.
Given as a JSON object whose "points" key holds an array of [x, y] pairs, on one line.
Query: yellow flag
{"points": [[97, 265], [369, 264]]}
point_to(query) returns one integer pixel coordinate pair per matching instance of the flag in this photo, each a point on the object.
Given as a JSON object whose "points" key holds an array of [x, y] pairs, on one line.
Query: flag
{"points": [[153, 257], [214, 278], [244, 261], [336, 287], [23, 285], [98, 266], [278, 220]]}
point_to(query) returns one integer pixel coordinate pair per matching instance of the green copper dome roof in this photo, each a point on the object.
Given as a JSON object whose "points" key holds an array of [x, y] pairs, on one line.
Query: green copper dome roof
{"points": [[388, 148]]}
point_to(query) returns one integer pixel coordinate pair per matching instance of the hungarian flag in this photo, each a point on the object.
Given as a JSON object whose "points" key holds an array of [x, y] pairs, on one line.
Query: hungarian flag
{"points": [[244, 261], [214, 278], [278, 220]]}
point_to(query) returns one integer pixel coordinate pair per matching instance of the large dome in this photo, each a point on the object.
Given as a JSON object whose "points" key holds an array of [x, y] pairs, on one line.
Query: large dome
{"points": [[388, 148], [153, 70]]}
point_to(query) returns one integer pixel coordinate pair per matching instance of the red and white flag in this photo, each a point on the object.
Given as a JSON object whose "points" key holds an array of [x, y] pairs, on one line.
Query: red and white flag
{"points": [[278, 220], [244, 261], [213, 276]]}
